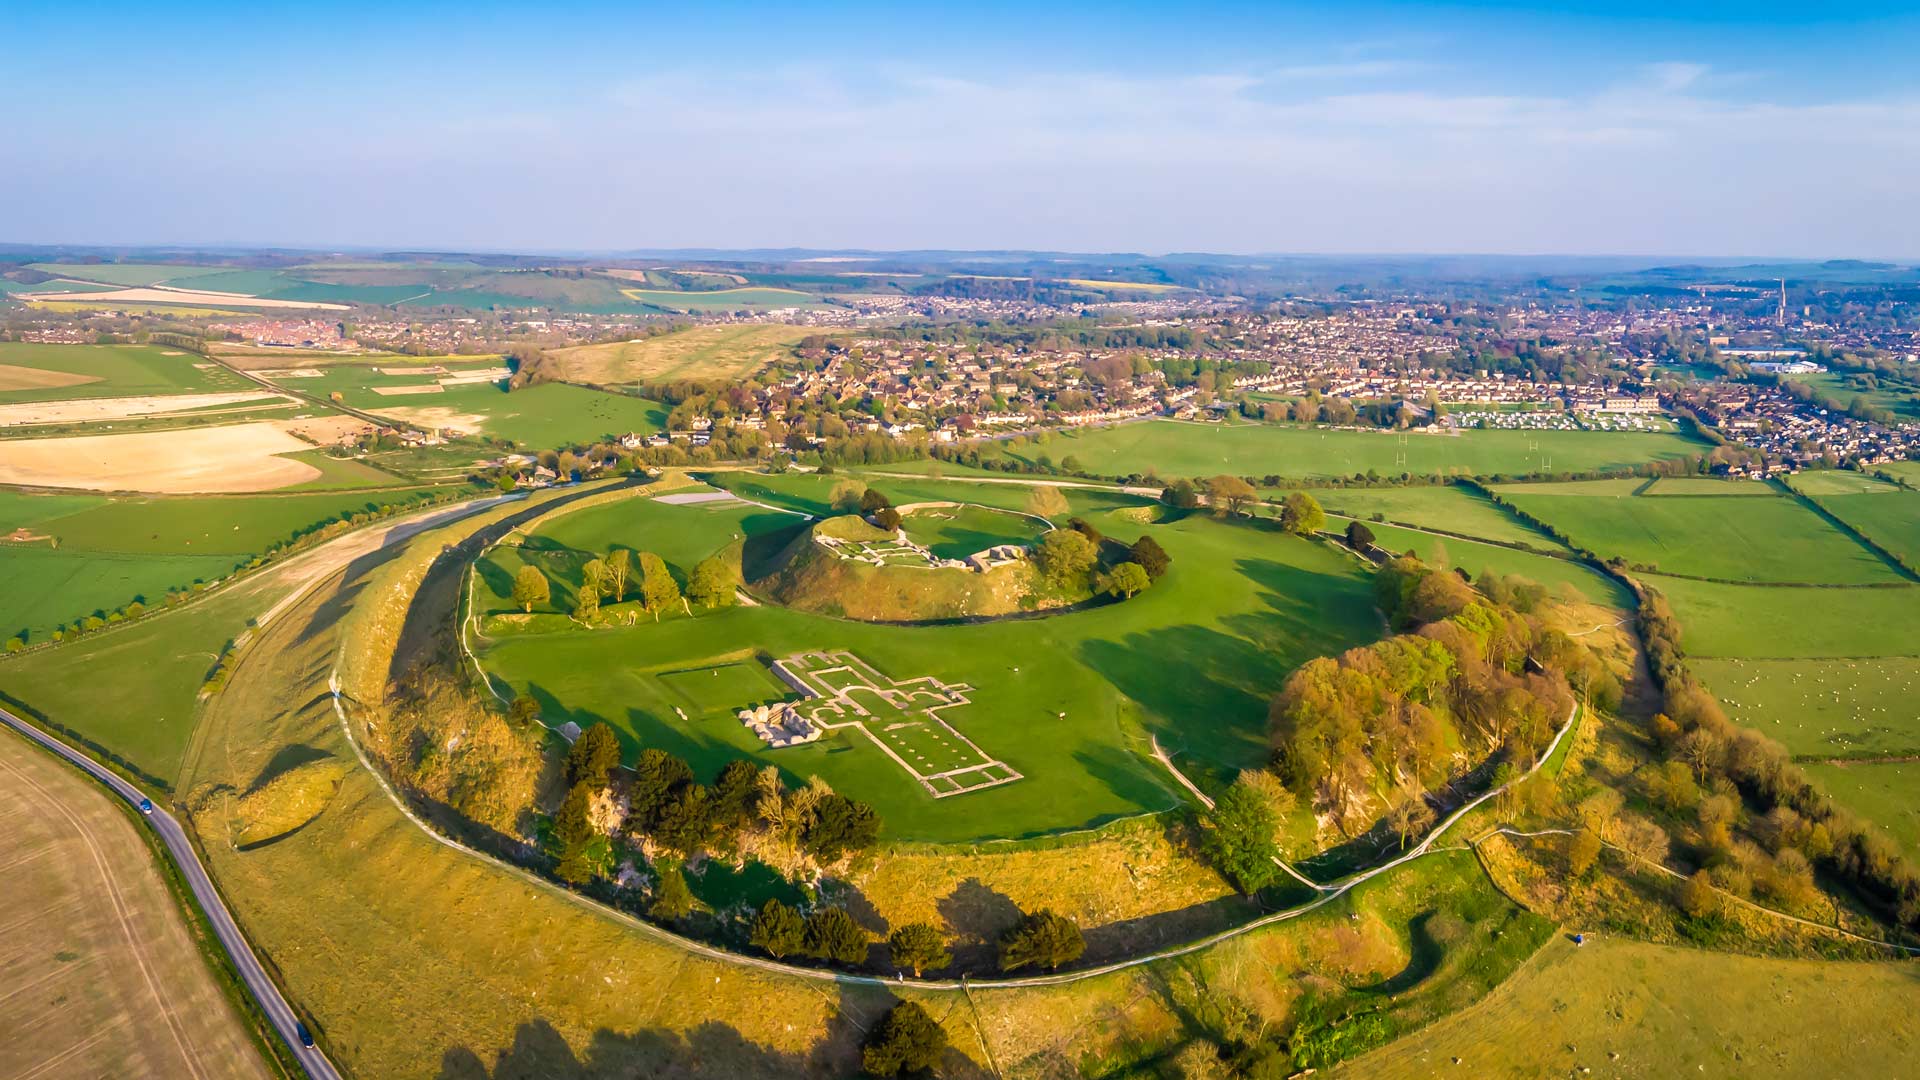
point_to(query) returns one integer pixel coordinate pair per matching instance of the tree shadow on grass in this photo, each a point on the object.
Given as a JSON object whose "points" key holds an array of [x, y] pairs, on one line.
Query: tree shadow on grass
{"points": [[977, 915], [711, 1049]]}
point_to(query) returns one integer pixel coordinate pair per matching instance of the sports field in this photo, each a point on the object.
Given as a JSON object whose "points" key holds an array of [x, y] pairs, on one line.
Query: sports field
{"points": [[1742, 538], [703, 352], [103, 977], [1067, 701], [1177, 448]]}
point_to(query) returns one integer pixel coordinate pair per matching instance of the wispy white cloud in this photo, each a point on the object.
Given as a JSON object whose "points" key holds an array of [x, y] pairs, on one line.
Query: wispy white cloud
{"points": [[1344, 155]]}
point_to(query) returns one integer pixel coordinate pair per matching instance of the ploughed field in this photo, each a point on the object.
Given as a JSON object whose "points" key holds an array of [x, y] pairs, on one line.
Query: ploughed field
{"points": [[1068, 702]]}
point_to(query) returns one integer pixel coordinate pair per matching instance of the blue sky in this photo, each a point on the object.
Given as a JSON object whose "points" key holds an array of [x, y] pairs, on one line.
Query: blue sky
{"points": [[1634, 128]]}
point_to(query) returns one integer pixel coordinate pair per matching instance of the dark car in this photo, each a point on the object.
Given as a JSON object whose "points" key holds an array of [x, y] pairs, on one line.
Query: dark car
{"points": [[306, 1037], [146, 806]]}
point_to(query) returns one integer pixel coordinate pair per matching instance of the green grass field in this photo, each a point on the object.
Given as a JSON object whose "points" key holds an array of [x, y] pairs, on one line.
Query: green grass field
{"points": [[1701, 485], [133, 690], [1477, 558], [128, 274], [90, 552], [1823, 708], [117, 371], [681, 534], [1908, 471], [1887, 515], [1757, 621], [955, 532], [539, 417], [1450, 509], [1739, 538], [1819, 482], [810, 494], [1885, 793], [1174, 448], [1067, 700]]}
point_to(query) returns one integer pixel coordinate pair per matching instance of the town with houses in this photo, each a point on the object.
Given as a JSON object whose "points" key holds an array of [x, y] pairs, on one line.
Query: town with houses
{"points": [[946, 370]]}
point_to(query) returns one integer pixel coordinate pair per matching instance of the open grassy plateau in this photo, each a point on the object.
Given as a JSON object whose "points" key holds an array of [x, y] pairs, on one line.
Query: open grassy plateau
{"points": [[1069, 701]]}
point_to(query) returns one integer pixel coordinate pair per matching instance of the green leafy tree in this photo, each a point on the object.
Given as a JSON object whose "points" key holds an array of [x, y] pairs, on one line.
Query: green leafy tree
{"points": [[524, 710], [586, 603], [918, 947], [839, 825], [1181, 495], [1047, 501], [593, 579], [592, 757], [686, 821], [573, 836], [711, 583], [1301, 514], [672, 899], [1151, 556], [1064, 557], [833, 935], [887, 518], [1127, 579], [778, 930], [1237, 836], [873, 500], [619, 565], [735, 793], [530, 587], [657, 587], [905, 1041], [1359, 537], [657, 777], [1041, 939], [1229, 495]]}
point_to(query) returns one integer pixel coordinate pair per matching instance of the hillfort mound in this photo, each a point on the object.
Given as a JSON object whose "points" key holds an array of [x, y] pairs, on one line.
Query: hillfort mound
{"points": [[938, 561]]}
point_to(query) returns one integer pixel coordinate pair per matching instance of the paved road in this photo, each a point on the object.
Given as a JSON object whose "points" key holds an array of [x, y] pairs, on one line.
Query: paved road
{"points": [[257, 981]]}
